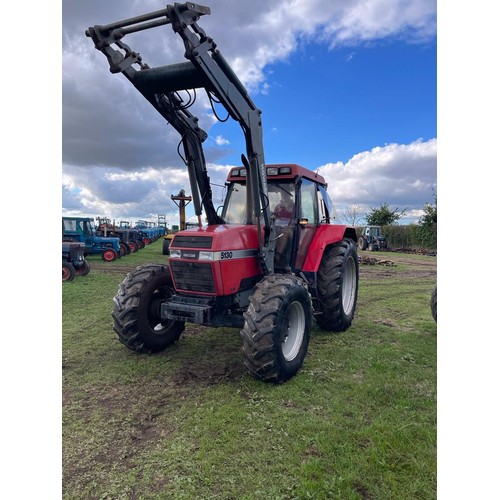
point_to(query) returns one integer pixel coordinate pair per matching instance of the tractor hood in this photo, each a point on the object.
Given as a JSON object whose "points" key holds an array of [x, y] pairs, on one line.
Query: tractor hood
{"points": [[215, 240], [216, 260]]}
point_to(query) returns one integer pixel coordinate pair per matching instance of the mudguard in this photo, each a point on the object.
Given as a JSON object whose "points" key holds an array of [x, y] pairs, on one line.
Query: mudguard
{"points": [[326, 234]]}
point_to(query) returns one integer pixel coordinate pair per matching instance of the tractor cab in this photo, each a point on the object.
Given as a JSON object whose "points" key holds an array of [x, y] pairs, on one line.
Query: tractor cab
{"points": [[298, 202]]}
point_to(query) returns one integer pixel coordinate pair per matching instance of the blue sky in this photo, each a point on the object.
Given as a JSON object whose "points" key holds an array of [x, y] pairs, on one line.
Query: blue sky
{"points": [[347, 88], [323, 105]]}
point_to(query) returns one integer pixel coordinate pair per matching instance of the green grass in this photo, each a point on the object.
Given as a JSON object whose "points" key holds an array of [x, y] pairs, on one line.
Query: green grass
{"points": [[358, 421]]}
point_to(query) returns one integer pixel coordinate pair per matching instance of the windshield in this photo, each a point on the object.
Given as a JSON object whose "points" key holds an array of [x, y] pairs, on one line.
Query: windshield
{"points": [[281, 202], [234, 207]]}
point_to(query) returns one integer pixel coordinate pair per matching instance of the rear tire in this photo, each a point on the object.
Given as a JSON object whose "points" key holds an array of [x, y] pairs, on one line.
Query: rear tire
{"points": [[277, 328], [136, 315], [338, 276], [68, 271]]}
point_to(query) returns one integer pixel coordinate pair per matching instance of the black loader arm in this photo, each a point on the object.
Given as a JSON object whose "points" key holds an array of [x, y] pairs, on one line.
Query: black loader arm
{"points": [[205, 68]]}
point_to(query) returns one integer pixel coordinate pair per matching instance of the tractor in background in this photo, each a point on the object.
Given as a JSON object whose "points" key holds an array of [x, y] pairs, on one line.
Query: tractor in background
{"points": [[79, 229], [128, 236], [73, 260], [104, 227], [135, 235], [149, 233], [372, 239]]}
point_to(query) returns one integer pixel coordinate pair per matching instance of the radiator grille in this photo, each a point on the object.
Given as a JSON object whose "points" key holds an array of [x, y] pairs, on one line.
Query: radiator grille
{"points": [[193, 276], [192, 241]]}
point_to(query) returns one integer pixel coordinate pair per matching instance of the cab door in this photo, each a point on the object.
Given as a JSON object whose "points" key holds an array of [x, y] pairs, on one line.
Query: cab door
{"points": [[308, 220]]}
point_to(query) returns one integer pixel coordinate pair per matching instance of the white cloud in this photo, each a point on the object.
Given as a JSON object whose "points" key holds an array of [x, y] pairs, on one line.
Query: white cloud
{"points": [[401, 175], [221, 141]]}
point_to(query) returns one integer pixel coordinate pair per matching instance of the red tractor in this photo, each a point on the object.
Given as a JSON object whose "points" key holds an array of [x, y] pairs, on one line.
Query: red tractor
{"points": [[271, 261]]}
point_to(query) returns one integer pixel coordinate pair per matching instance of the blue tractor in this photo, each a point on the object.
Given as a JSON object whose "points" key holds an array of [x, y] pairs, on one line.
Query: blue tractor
{"points": [[149, 233], [80, 229], [73, 260]]}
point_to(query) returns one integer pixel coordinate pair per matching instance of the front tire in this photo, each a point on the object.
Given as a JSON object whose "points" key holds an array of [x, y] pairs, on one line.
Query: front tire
{"points": [[277, 328], [84, 269], [338, 286], [68, 271], [136, 315], [362, 243]]}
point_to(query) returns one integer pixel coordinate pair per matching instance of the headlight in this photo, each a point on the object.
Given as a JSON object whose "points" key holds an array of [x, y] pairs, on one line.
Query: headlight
{"points": [[206, 256], [175, 254]]}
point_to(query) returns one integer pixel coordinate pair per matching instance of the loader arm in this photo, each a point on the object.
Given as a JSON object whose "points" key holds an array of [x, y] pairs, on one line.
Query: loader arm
{"points": [[205, 68]]}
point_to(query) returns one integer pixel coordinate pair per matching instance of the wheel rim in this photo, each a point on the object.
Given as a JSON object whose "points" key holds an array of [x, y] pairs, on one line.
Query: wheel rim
{"points": [[109, 255], [156, 323], [293, 335], [349, 286], [65, 273]]}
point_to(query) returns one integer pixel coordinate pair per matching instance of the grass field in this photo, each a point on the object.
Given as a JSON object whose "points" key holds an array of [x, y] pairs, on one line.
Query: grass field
{"points": [[357, 422]]}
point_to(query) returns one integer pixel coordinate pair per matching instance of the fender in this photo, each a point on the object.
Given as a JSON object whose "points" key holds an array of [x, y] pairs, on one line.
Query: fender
{"points": [[327, 234]]}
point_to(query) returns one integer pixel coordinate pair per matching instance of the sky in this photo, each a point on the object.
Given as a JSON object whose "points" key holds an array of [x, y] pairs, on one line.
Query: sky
{"points": [[60, 102], [346, 88]]}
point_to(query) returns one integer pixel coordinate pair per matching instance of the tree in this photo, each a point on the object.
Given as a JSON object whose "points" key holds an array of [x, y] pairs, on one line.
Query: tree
{"points": [[352, 215], [427, 230], [383, 216], [430, 215]]}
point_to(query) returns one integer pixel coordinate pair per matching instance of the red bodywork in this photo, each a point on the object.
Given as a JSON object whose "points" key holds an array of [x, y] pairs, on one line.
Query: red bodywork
{"points": [[222, 260], [238, 174], [228, 268]]}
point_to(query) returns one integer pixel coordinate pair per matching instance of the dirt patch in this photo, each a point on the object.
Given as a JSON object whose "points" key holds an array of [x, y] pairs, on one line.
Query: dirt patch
{"points": [[402, 266], [207, 373]]}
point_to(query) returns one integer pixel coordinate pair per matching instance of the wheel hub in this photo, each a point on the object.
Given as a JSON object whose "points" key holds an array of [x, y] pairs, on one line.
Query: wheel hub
{"points": [[293, 331]]}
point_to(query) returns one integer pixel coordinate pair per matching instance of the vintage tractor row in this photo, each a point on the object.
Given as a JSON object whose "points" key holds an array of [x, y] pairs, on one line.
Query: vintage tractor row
{"points": [[131, 239], [150, 230]]}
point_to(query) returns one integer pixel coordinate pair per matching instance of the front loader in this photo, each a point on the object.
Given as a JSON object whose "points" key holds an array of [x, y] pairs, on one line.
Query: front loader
{"points": [[271, 261]]}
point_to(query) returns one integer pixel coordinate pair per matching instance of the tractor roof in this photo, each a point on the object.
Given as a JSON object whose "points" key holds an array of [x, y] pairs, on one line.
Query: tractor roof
{"points": [[278, 171]]}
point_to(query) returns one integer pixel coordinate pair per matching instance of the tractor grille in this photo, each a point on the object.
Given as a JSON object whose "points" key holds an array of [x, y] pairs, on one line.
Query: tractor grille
{"points": [[193, 276], [192, 241]]}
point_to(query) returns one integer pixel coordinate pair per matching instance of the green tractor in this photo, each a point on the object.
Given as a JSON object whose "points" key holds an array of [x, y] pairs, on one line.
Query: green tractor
{"points": [[372, 239]]}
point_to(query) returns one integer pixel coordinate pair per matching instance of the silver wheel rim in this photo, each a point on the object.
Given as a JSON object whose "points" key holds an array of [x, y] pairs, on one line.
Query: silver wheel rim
{"points": [[293, 335], [349, 286]]}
